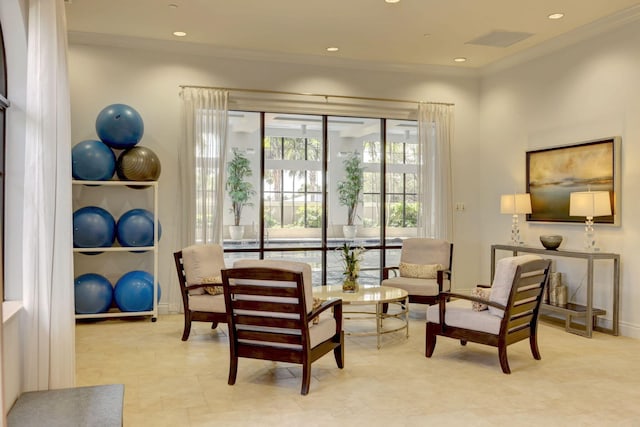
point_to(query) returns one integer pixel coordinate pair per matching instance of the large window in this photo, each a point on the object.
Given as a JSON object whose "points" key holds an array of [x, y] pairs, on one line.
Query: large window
{"points": [[402, 176], [299, 166]]}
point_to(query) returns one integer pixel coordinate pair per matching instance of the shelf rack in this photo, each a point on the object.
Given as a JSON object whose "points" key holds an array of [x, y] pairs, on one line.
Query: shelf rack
{"points": [[114, 312]]}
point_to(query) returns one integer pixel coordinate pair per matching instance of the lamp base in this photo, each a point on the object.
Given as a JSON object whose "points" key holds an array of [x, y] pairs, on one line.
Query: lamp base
{"points": [[515, 231], [589, 236]]}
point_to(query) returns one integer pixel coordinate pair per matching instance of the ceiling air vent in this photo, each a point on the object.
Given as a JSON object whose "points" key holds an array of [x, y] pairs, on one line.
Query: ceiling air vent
{"points": [[500, 38]]}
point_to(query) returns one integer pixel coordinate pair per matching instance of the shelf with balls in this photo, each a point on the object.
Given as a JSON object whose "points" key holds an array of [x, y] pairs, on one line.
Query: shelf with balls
{"points": [[95, 230]]}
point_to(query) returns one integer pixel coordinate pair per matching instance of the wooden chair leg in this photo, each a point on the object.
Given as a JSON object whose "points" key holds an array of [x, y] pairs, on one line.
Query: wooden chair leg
{"points": [[214, 325], [338, 352], [533, 343], [463, 342], [504, 363], [306, 378], [430, 339], [233, 370], [385, 307], [187, 327]]}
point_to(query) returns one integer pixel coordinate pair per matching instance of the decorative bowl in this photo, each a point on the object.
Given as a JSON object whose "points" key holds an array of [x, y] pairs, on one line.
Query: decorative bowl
{"points": [[551, 241]]}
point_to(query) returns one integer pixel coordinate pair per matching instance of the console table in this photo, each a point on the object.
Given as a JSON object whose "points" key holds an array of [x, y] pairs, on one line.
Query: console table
{"points": [[576, 311]]}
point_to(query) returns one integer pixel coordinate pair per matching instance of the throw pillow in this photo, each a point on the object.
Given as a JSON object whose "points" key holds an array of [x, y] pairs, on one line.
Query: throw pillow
{"points": [[213, 290], [483, 293], [317, 302], [420, 271]]}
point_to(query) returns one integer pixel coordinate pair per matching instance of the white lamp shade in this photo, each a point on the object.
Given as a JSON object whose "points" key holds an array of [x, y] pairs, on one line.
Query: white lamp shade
{"points": [[589, 204], [515, 204]]}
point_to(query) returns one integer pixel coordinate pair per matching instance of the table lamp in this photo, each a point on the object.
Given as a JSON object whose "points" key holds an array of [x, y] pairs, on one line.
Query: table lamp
{"points": [[515, 204], [589, 204]]}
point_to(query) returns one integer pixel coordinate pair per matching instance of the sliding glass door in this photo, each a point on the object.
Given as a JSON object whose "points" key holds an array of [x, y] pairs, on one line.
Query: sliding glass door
{"points": [[316, 182]]}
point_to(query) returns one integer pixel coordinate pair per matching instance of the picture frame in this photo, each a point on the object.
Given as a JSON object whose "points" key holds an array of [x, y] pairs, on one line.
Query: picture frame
{"points": [[554, 173]]}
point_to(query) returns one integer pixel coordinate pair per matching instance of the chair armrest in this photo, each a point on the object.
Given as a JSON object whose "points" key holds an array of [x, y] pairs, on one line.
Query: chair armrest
{"points": [[386, 270], [198, 286], [337, 311], [440, 278], [474, 299], [442, 304], [201, 285]]}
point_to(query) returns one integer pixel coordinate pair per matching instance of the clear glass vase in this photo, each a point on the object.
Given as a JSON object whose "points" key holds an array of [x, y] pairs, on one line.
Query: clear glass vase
{"points": [[350, 285]]}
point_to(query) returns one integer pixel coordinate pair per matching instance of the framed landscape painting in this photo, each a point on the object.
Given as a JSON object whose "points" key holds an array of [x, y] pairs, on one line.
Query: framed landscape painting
{"points": [[554, 173]]}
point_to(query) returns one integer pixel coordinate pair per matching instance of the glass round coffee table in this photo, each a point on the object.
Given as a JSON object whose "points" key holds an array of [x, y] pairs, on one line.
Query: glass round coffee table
{"points": [[371, 295]]}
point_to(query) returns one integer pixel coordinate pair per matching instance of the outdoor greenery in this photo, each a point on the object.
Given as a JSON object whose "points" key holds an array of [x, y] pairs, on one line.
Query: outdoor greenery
{"points": [[239, 189], [403, 215], [350, 189], [313, 218]]}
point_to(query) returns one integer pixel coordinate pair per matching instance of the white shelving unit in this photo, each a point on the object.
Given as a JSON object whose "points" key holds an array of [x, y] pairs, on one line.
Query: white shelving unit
{"points": [[78, 202]]}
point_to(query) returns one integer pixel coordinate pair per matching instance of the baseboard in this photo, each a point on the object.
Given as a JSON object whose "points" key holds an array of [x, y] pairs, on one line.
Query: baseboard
{"points": [[163, 308]]}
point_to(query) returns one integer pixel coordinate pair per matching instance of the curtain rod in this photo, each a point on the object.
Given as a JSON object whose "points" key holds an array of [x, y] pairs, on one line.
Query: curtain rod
{"points": [[277, 92]]}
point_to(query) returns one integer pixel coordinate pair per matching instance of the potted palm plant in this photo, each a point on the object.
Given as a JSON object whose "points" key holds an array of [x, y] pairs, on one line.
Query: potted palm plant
{"points": [[239, 189], [350, 192]]}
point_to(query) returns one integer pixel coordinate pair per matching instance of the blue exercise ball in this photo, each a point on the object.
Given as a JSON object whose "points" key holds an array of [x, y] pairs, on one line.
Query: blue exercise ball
{"points": [[92, 160], [93, 227], [119, 126], [135, 228], [93, 294], [134, 291]]}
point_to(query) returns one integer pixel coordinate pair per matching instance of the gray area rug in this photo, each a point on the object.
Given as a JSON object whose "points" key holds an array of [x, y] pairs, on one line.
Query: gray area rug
{"points": [[70, 407]]}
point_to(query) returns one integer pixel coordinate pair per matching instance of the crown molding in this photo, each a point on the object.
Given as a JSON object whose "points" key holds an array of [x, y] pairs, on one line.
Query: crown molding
{"points": [[585, 32], [200, 49]]}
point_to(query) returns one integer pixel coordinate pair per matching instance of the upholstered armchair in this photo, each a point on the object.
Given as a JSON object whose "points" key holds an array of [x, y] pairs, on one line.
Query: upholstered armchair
{"points": [[199, 274], [424, 270], [508, 315], [271, 316]]}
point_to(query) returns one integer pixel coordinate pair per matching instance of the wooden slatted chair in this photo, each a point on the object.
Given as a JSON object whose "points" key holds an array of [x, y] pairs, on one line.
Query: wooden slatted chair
{"points": [[194, 265], [271, 316], [512, 314], [424, 270]]}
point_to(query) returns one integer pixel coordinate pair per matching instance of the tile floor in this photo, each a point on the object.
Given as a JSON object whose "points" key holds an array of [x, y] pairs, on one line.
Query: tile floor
{"points": [[579, 381]]}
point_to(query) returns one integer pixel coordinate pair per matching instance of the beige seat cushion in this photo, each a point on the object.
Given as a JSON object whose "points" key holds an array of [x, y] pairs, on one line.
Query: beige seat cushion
{"points": [[207, 303], [422, 287], [200, 262], [460, 314]]}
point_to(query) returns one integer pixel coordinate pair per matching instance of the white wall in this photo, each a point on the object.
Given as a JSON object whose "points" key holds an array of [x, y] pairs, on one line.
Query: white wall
{"points": [[586, 91], [148, 80]]}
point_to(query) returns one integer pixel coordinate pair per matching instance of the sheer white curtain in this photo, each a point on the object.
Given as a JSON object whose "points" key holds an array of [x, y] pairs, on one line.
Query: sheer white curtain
{"points": [[47, 270], [201, 162], [435, 133]]}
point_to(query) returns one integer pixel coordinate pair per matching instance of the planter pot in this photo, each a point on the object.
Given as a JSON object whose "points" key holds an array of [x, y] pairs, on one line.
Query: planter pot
{"points": [[236, 231], [349, 231]]}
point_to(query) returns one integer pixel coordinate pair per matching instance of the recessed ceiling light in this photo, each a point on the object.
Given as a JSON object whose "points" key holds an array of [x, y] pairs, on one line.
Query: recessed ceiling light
{"points": [[179, 33], [392, 1], [460, 59], [332, 49], [556, 16]]}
